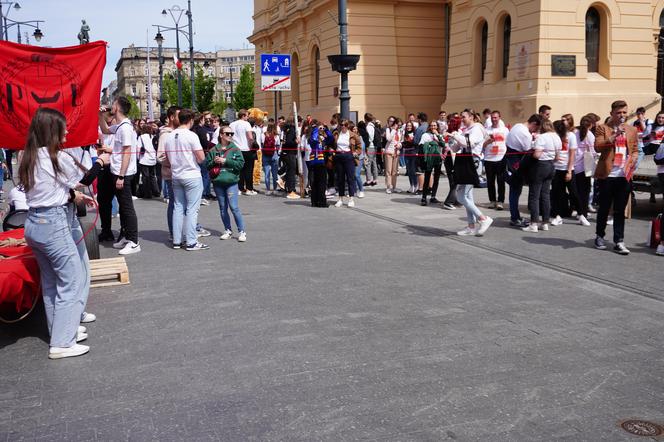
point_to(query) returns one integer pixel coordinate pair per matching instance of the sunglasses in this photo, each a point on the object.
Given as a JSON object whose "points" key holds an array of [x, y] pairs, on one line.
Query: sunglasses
{"points": [[230, 134]]}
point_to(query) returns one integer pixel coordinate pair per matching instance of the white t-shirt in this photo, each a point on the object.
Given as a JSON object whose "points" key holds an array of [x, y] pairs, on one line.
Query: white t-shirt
{"points": [[17, 198], [343, 142], [587, 145], [124, 135], [549, 143], [371, 131], [563, 155], [258, 135], [475, 136], [149, 158], [496, 150], [659, 155], [180, 146], [519, 138], [240, 129], [393, 140], [50, 190]]}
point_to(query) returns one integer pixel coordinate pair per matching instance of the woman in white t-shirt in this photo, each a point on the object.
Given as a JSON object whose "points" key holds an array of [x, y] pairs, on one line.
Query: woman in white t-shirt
{"points": [[391, 154], [563, 188], [147, 164], [547, 147], [344, 162], [49, 177], [584, 167]]}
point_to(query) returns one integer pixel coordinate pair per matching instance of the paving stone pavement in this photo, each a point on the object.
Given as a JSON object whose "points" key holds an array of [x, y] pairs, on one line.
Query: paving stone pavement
{"points": [[339, 324]]}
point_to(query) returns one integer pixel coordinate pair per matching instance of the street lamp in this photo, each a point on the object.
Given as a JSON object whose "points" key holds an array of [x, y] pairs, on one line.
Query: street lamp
{"points": [[160, 41], [176, 14], [38, 34], [3, 21], [344, 63]]}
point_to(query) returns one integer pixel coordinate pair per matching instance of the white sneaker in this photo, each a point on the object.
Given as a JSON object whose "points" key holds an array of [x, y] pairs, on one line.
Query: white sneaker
{"points": [[351, 202], [252, 192], [609, 222], [583, 221], [484, 225], [557, 221], [202, 233], [467, 232], [388, 191], [660, 250], [531, 228], [242, 237], [293, 196], [196, 247], [129, 248], [226, 235], [122, 242], [331, 191], [396, 190], [88, 317], [338, 203], [82, 329], [81, 337], [544, 227], [360, 194], [268, 193], [67, 352], [205, 202], [134, 198]]}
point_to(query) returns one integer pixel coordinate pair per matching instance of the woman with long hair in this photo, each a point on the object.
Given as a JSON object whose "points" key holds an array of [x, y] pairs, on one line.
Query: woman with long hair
{"points": [[583, 173], [320, 140], [471, 138], [391, 154], [347, 143], [147, 164], [270, 159], [410, 153], [358, 155], [547, 148], [431, 148], [563, 188], [50, 177]]}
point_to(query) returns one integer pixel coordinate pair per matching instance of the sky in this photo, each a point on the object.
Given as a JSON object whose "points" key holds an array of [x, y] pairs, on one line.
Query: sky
{"points": [[221, 24]]}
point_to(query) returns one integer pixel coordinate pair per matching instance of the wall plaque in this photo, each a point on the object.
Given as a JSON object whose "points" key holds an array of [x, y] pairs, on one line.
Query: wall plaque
{"points": [[563, 65]]}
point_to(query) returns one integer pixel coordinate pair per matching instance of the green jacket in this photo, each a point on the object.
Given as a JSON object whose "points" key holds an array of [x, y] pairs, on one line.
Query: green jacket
{"points": [[230, 171], [430, 154]]}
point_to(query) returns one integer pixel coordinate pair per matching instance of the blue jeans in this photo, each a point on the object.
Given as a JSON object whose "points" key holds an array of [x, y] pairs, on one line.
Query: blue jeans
{"points": [[516, 187], [411, 168], [271, 167], [206, 180], [227, 196], [187, 195], [358, 176], [48, 232], [2, 176], [77, 234], [465, 197], [168, 193]]}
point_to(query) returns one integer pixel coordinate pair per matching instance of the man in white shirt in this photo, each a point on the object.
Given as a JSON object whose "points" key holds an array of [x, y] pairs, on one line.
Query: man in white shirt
{"points": [[494, 161], [243, 138], [123, 172], [185, 154], [519, 141]]}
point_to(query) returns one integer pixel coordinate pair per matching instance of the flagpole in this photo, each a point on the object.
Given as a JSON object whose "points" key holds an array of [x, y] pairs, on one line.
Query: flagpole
{"points": [[150, 109]]}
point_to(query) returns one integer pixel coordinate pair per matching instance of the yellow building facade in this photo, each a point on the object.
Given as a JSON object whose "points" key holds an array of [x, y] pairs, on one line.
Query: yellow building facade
{"points": [[576, 56]]}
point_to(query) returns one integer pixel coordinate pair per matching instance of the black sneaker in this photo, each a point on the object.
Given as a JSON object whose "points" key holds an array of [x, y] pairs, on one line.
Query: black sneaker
{"points": [[106, 236], [423, 203], [434, 201], [197, 246], [521, 223], [600, 244], [620, 249]]}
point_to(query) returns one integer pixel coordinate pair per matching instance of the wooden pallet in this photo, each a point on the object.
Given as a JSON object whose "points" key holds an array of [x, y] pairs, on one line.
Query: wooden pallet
{"points": [[108, 272]]}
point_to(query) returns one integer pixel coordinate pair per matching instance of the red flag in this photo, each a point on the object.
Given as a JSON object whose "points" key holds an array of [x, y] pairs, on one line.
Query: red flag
{"points": [[67, 79], [178, 62]]}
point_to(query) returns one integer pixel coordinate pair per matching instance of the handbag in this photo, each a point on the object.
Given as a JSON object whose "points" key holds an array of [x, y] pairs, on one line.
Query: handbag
{"points": [[215, 170], [465, 170], [589, 164]]}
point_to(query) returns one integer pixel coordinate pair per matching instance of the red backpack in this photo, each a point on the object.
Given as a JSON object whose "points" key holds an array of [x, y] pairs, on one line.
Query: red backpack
{"points": [[269, 145], [655, 236]]}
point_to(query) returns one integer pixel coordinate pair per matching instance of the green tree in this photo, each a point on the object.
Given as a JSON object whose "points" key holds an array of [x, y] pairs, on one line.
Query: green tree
{"points": [[203, 83], [219, 107], [244, 92], [134, 112]]}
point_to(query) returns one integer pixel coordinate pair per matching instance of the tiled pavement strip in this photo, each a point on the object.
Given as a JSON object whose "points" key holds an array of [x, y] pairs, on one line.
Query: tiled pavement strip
{"points": [[368, 324]]}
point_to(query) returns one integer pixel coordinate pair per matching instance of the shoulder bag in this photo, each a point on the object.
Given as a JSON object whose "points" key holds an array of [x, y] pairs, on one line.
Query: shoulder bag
{"points": [[465, 171]]}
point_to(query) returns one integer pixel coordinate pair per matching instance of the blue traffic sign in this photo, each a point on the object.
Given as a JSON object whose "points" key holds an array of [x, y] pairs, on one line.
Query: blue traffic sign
{"points": [[276, 65]]}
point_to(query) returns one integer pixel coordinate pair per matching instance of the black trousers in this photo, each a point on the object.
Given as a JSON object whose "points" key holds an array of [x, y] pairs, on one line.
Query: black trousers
{"points": [[582, 184], [449, 170], [247, 172], [134, 182], [128, 220], [317, 174], [344, 165], [539, 191], [148, 187], [331, 181], [612, 191], [495, 174], [427, 179], [563, 195], [290, 161]]}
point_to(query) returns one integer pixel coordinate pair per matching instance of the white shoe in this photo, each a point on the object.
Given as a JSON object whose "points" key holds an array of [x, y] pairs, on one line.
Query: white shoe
{"points": [[88, 317], [388, 191], [660, 250], [134, 198], [557, 221], [67, 352], [252, 192], [338, 203], [82, 329], [226, 235], [583, 221], [360, 194], [351, 202], [122, 242], [331, 191], [205, 202], [544, 227], [81, 337], [609, 222], [531, 228], [396, 190], [467, 232], [484, 225], [242, 237], [293, 196], [129, 248], [268, 193]]}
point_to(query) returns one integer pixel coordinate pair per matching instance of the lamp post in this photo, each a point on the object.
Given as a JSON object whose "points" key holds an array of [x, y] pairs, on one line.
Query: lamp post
{"points": [[38, 34], [3, 18], [191, 56], [160, 41], [344, 63], [176, 14]]}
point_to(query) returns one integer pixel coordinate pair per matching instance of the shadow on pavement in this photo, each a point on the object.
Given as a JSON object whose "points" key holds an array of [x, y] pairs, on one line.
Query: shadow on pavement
{"points": [[32, 326]]}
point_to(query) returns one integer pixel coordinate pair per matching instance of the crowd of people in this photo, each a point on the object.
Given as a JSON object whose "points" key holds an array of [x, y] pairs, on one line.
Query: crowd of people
{"points": [[189, 158]]}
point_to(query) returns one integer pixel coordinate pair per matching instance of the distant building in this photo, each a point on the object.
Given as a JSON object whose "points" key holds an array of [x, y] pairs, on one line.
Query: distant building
{"points": [[132, 71], [108, 93], [576, 56]]}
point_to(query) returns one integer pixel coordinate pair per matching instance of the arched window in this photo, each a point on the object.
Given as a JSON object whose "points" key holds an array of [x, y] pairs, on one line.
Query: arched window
{"points": [[316, 83], [660, 55], [507, 34], [593, 39], [485, 45]]}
